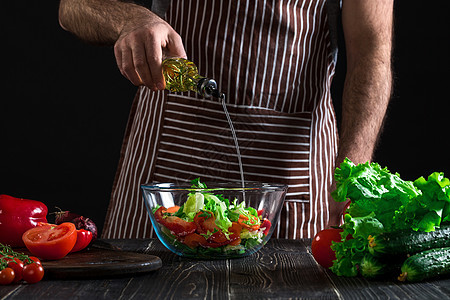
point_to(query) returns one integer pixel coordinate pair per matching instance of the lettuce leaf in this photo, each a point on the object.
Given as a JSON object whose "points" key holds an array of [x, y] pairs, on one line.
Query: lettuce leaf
{"points": [[383, 202], [429, 209], [351, 251], [219, 207], [372, 189], [194, 203]]}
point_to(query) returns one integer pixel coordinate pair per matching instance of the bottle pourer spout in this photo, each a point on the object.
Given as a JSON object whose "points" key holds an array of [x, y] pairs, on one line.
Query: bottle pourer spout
{"points": [[208, 87]]}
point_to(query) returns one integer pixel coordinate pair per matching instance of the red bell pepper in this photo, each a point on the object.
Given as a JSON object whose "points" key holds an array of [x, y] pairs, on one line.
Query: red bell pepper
{"points": [[84, 238], [17, 215]]}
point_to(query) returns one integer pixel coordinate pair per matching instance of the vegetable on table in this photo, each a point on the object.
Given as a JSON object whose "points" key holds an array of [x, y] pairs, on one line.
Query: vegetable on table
{"points": [[84, 238], [321, 246], [17, 215], [15, 266], [425, 265], [6, 276], [51, 241], [33, 273], [80, 222], [385, 214], [405, 242]]}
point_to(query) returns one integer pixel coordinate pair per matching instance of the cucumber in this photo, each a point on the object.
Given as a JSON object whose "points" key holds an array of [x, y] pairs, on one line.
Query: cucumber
{"points": [[373, 267], [408, 242], [425, 265]]}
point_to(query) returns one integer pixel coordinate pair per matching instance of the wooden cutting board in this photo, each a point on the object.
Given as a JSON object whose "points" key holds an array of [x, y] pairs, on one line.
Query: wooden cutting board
{"points": [[99, 263]]}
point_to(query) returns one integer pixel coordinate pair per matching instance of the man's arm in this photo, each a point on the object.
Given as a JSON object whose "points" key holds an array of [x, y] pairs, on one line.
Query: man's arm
{"points": [[368, 27], [139, 36]]}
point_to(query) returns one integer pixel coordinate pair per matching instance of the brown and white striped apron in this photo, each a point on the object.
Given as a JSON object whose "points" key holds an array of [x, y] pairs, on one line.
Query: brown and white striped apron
{"points": [[275, 61]]}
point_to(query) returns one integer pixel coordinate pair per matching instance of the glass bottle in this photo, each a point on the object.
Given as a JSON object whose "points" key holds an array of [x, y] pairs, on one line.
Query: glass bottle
{"points": [[181, 75]]}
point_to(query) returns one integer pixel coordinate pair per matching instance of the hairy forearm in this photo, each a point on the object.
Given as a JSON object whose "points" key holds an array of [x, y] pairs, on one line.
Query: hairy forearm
{"points": [[368, 84], [98, 21], [367, 91]]}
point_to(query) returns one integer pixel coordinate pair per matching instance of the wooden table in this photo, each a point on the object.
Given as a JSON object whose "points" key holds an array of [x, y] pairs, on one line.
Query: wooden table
{"points": [[282, 269]]}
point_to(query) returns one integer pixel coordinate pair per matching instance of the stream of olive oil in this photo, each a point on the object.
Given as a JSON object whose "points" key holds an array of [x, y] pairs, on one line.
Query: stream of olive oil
{"points": [[233, 133]]}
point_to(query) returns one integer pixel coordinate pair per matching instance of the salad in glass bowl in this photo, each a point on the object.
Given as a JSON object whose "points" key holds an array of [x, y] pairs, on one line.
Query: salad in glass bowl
{"points": [[215, 222]]}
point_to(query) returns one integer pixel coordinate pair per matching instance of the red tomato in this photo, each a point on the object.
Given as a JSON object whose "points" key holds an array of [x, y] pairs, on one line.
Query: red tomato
{"points": [[17, 265], [84, 238], [51, 241], [193, 240], [176, 225], [33, 273], [206, 224], [321, 246], [35, 260], [17, 215], [6, 276]]}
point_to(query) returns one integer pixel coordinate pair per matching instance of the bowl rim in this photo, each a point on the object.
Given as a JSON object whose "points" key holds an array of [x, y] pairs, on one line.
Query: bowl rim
{"points": [[215, 186]]}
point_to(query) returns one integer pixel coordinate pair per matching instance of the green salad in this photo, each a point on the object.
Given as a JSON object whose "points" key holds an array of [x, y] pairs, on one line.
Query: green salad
{"points": [[207, 224]]}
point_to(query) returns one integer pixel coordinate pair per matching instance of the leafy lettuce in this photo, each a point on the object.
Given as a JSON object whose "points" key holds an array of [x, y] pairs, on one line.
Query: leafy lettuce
{"points": [[383, 202]]}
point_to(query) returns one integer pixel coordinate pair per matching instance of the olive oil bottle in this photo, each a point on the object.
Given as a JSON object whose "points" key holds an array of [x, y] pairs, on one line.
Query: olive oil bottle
{"points": [[181, 75]]}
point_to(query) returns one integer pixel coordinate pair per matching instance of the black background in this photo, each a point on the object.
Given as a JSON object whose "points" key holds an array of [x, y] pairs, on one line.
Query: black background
{"points": [[65, 105]]}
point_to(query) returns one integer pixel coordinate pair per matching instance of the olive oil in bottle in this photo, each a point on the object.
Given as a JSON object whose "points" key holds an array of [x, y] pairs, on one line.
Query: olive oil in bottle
{"points": [[181, 75]]}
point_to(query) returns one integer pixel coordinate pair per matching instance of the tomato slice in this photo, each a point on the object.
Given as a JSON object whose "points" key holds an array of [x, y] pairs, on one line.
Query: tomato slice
{"points": [[173, 209], [206, 224], [176, 225], [51, 241], [194, 240], [251, 224]]}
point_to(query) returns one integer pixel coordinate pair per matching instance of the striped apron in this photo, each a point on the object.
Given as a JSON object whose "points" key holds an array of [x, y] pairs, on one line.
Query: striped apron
{"points": [[274, 60]]}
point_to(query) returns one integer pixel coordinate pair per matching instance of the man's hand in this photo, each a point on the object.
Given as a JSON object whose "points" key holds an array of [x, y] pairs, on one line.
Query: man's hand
{"points": [[139, 36], [140, 48]]}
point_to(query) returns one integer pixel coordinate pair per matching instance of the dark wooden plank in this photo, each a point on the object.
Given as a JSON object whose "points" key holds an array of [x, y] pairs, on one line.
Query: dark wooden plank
{"points": [[179, 278], [361, 288], [282, 269]]}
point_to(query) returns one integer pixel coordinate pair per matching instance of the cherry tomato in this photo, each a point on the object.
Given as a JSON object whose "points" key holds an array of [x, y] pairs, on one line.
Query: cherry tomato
{"points": [[33, 273], [6, 276], [84, 238], [34, 260], [17, 265], [176, 225], [321, 246], [51, 241]]}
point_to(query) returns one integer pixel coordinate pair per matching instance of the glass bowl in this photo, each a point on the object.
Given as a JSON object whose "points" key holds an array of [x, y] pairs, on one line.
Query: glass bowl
{"points": [[221, 221]]}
